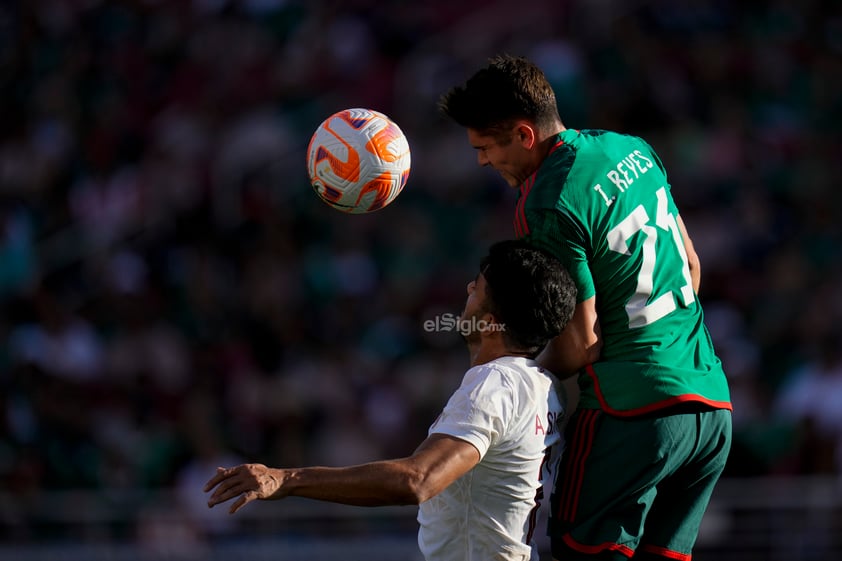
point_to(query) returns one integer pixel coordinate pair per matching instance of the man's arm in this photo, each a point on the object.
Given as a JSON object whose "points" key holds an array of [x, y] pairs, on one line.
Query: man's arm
{"points": [[577, 346], [692, 257], [438, 462]]}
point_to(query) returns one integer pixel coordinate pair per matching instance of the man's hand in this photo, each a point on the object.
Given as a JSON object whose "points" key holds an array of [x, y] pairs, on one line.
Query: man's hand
{"points": [[248, 481]]}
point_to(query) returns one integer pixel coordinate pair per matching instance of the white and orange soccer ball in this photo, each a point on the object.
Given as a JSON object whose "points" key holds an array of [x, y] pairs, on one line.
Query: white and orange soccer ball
{"points": [[358, 160]]}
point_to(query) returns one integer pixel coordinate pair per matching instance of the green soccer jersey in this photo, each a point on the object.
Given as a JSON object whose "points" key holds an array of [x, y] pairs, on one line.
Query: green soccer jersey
{"points": [[601, 203]]}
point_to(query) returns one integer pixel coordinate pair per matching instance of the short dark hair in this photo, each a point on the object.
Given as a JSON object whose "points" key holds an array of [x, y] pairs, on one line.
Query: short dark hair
{"points": [[529, 292], [508, 88]]}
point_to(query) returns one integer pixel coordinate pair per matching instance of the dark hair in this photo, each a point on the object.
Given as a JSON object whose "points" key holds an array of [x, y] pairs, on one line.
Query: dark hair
{"points": [[529, 292], [509, 88]]}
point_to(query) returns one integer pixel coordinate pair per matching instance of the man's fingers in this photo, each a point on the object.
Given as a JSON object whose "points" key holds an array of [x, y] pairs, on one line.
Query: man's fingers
{"points": [[221, 474], [244, 499], [229, 489], [226, 484], [233, 482]]}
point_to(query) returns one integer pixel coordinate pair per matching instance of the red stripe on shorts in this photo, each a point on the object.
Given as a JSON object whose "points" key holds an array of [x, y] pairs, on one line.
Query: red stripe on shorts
{"points": [[573, 470], [595, 549]]}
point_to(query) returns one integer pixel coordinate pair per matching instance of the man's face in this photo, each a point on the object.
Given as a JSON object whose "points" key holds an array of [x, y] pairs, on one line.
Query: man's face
{"points": [[506, 154], [475, 309]]}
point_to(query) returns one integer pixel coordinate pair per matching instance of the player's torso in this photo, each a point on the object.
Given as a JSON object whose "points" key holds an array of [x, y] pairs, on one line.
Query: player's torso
{"points": [[511, 465], [618, 195], [612, 195], [488, 509]]}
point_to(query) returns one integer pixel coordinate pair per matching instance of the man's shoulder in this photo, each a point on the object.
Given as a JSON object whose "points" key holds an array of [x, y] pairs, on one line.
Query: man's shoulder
{"points": [[599, 138]]}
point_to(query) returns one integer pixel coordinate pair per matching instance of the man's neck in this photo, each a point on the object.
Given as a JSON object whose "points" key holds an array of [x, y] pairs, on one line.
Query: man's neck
{"points": [[485, 352], [550, 140]]}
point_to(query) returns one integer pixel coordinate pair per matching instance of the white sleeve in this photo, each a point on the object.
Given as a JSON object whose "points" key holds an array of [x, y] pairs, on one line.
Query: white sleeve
{"points": [[480, 410]]}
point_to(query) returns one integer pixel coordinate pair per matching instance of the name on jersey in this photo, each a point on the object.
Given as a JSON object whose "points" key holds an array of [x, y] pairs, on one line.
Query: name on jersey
{"points": [[623, 174], [550, 428]]}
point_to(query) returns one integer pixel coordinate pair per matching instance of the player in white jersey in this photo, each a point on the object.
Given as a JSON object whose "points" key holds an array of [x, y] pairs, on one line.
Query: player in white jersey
{"points": [[478, 475], [490, 513]]}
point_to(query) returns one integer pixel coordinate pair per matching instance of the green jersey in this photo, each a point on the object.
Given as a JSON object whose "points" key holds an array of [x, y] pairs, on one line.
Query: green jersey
{"points": [[601, 203]]}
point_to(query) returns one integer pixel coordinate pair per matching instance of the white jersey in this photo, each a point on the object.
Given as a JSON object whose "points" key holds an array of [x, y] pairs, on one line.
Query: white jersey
{"points": [[510, 410]]}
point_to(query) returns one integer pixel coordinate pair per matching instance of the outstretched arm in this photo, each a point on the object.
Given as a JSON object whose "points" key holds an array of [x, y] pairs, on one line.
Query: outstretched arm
{"points": [[438, 462]]}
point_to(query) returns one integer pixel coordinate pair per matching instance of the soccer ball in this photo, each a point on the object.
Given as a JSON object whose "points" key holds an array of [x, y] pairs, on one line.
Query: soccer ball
{"points": [[358, 160]]}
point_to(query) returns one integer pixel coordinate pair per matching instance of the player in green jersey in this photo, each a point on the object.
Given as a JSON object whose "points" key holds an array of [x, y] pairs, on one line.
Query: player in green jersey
{"points": [[652, 430]]}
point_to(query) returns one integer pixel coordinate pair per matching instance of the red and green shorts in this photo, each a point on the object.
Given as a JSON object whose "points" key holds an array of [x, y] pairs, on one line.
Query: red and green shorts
{"points": [[636, 486]]}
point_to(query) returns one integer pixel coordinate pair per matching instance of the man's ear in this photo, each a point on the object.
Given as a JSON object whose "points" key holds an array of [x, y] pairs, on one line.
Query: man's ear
{"points": [[490, 325], [526, 134]]}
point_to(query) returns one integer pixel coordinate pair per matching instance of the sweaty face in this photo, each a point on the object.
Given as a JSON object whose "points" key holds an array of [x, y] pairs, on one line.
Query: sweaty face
{"points": [[506, 154]]}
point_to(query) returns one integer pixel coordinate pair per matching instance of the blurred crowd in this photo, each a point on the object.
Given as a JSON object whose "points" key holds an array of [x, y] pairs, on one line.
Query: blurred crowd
{"points": [[175, 297]]}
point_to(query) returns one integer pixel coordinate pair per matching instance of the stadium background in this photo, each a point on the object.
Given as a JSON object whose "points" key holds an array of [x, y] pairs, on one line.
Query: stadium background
{"points": [[174, 296]]}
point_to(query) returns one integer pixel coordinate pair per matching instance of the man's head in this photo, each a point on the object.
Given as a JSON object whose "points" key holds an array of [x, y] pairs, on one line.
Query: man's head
{"points": [[521, 293], [509, 110], [508, 89]]}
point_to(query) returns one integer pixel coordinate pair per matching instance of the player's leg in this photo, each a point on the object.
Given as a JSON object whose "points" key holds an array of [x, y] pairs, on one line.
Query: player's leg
{"points": [[604, 487], [672, 525], [611, 475]]}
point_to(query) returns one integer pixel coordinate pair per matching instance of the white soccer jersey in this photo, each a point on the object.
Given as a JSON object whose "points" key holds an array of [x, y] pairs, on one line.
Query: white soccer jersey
{"points": [[510, 410]]}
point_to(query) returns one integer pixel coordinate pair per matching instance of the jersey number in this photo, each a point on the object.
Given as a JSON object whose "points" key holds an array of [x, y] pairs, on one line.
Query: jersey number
{"points": [[642, 307]]}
